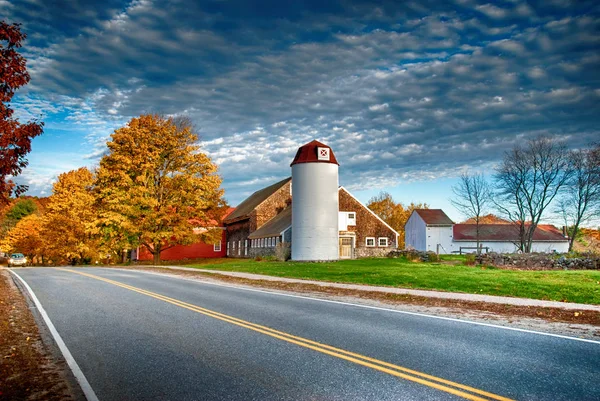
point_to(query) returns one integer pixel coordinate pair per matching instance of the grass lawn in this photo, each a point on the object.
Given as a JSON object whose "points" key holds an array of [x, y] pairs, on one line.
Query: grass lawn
{"points": [[568, 286]]}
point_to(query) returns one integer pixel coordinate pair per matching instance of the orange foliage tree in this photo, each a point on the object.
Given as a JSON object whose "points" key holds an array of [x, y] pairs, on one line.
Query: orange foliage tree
{"points": [[25, 237], [155, 186], [394, 213], [15, 138], [70, 222]]}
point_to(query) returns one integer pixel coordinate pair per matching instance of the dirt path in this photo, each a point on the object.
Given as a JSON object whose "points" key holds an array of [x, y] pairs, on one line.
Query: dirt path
{"points": [[28, 368]]}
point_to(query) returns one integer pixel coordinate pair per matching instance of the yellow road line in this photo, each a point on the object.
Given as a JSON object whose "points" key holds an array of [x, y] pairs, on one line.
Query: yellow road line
{"points": [[382, 366]]}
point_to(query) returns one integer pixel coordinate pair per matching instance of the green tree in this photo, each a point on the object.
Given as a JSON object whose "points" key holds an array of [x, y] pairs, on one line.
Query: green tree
{"points": [[155, 186]]}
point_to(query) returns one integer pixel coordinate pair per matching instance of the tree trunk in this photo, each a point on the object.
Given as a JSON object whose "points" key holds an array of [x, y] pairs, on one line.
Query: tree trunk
{"points": [[156, 254], [572, 236]]}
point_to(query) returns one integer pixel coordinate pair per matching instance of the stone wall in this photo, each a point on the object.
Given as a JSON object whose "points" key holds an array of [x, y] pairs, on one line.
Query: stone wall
{"points": [[412, 254], [261, 252], [364, 252], [538, 261]]}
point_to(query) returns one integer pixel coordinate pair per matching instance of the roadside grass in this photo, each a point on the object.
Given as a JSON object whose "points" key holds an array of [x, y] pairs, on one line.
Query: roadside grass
{"points": [[568, 286]]}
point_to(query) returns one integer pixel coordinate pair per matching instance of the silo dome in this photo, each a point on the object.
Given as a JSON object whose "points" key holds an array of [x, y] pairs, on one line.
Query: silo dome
{"points": [[315, 203]]}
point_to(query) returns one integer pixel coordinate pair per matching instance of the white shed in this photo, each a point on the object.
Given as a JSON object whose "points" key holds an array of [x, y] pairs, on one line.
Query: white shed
{"points": [[429, 230]]}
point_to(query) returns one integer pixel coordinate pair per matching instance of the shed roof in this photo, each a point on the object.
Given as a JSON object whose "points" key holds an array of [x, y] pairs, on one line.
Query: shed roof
{"points": [[504, 232], [275, 226], [434, 217], [308, 153], [250, 203]]}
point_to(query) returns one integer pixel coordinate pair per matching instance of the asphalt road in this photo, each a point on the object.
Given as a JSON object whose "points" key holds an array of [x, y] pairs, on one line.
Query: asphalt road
{"points": [[140, 336]]}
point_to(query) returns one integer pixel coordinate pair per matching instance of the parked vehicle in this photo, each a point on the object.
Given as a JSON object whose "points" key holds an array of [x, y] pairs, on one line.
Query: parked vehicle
{"points": [[17, 259]]}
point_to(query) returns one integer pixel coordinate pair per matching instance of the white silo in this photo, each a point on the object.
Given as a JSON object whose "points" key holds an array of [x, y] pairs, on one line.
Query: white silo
{"points": [[315, 203]]}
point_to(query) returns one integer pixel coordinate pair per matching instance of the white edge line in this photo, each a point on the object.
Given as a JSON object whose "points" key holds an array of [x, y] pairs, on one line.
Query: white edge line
{"points": [[371, 307], [81, 379]]}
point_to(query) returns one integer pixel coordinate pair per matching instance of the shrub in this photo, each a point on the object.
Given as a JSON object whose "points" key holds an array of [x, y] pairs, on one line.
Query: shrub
{"points": [[283, 251], [470, 259]]}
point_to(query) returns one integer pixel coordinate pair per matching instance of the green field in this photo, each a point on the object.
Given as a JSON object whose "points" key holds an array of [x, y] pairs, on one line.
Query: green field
{"points": [[449, 275]]}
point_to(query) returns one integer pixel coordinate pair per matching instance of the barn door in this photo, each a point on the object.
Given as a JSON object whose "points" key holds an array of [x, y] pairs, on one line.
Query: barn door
{"points": [[346, 247]]}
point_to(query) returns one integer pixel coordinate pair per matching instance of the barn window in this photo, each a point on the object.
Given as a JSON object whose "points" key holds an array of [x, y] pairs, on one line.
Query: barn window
{"points": [[370, 241], [245, 247], [351, 219], [383, 241], [227, 248], [217, 247]]}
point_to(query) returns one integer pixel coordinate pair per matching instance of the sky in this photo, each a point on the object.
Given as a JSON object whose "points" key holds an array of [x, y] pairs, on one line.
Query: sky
{"points": [[409, 94]]}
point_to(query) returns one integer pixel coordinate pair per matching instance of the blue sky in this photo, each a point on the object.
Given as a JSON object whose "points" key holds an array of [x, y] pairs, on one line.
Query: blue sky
{"points": [[408, 94]]}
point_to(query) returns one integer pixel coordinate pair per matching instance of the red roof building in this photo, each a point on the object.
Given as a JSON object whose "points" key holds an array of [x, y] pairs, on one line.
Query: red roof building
{"points": [[504, 232], [197, 250]]}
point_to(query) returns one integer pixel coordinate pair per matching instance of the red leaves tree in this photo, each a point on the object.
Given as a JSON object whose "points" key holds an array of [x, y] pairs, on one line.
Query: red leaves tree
{"points": [[15, 138]]}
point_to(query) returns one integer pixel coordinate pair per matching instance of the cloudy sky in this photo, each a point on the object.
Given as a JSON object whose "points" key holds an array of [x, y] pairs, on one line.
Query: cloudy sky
{"points": [[408, 94]]}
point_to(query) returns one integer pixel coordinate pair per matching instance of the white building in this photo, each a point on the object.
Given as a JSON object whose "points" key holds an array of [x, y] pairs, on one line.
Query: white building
{"points": [[429, 230], [432, 230]]}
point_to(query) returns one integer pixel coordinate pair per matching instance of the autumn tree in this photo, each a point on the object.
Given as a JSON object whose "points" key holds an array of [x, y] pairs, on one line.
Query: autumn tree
{"points": [[20, 209], [472, 197], [394, 214], [15, 138], [70, 221], [25, 237], [528, 180], [155, 186], [581, 200]]}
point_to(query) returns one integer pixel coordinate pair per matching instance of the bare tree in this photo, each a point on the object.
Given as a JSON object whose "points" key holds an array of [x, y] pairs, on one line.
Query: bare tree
{"points": [[528, 180], [472, 198], [581, 201]]}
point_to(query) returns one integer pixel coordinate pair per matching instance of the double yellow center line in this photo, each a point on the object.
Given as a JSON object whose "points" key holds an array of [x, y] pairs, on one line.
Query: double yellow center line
{"points": [[438, 383]]}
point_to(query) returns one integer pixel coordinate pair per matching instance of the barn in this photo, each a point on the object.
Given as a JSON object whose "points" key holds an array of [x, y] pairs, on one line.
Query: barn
{"points": [[432, 230], [197, 250], [268, 218]]}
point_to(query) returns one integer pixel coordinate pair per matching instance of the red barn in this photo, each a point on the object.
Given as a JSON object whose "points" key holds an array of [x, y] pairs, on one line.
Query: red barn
{"points": [[193, 251]]}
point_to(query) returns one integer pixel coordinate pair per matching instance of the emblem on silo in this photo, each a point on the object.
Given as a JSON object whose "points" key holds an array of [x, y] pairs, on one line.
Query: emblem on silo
{"points": [[315, 203]]}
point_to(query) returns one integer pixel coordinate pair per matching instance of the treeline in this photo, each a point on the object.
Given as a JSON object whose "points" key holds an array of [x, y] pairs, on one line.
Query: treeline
{"points": [[535, 180], [151, 189], [394, 213]]}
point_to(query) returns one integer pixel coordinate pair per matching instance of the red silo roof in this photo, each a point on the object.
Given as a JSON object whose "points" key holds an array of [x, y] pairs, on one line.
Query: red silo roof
{"points": [[309, 153]]}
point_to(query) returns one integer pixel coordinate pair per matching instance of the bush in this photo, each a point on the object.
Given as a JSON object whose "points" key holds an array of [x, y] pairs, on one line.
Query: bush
{"points": [[470, 259], [283, 251]]}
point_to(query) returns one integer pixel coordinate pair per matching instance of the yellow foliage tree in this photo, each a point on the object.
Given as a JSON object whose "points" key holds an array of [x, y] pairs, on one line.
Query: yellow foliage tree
{"points": [[395, 214], [70, 221], [25, 237], [155, 186]]}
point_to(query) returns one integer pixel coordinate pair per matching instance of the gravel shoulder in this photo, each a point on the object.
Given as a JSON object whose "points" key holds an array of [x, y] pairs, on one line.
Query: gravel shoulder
{"points": [[31, 367], [568, 322]]}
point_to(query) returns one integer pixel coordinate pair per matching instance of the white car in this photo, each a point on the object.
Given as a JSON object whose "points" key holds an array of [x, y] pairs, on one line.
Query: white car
{"points": [[17, 259]]}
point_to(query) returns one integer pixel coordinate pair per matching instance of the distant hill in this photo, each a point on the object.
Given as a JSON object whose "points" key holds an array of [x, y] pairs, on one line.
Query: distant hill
{"points": [[487, 219]]}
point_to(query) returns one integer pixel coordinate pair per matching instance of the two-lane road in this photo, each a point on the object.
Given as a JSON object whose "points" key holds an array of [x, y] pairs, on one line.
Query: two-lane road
{"points": [[140, 336]]}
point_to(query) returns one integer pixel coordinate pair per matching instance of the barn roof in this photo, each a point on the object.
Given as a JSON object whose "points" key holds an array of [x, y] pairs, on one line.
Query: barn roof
{"points": [[434, 217], [504, 232], [250, 203], [308, 153], [275, 226]]}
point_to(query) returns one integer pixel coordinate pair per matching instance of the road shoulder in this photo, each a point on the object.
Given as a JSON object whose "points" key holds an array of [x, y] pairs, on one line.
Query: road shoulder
{"points": [[32, 367]]}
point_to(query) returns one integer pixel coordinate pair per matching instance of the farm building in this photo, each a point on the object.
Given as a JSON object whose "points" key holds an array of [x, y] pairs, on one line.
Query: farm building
{"points": [[361, 233], [432, 230], [326, 219], [194, 251]]}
